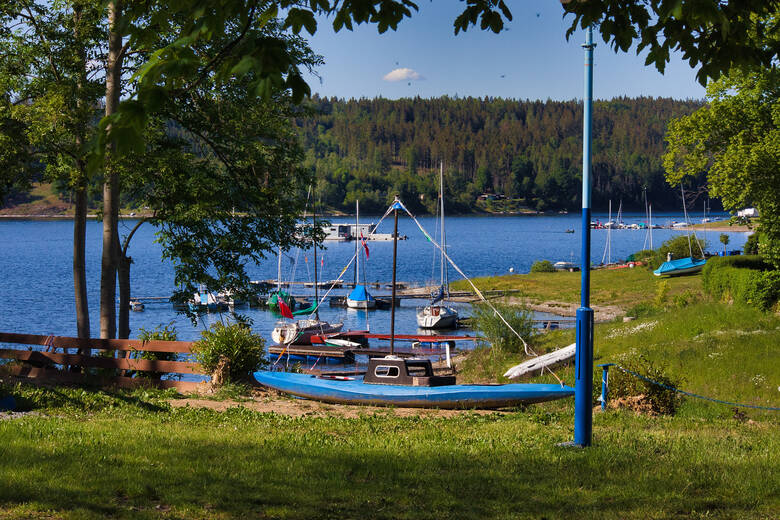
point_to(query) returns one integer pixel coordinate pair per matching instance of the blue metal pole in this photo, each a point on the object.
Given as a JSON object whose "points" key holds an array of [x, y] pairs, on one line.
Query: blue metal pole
{"points": [[583, 361], [605, 384]]}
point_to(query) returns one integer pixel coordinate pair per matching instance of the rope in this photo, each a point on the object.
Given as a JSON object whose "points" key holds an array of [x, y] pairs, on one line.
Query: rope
{"points": [[697, 396], [527, 349]]}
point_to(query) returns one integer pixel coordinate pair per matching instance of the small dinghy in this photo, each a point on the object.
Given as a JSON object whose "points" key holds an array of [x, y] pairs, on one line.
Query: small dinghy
{"points": [[680, 266], [392, 381]]}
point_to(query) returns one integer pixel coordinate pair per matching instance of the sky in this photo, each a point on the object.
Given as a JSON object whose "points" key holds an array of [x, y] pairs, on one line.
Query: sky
{"points": [[530, 59]]}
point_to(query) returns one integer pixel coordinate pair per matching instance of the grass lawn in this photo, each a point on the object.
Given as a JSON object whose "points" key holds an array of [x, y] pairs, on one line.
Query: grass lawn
{"points": [[90, 454], [141, 459], [622, 287]]}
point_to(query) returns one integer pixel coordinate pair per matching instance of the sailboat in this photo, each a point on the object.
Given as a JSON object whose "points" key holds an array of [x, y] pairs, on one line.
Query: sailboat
{"points": [[278, 293], [395, 381], [435, 315], [300, 332], [360, 298], [673, 267]]}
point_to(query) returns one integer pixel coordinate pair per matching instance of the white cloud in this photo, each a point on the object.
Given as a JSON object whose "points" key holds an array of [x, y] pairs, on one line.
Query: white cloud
{"points": [[403, 74]]}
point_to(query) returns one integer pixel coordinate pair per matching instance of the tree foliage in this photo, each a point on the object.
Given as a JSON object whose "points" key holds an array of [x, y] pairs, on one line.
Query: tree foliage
{"points": [[371, 149], [735, 138], [714, 36]]}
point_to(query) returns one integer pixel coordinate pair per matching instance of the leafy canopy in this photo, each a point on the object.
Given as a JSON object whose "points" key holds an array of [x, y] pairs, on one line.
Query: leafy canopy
{"points": [[736, 140]]}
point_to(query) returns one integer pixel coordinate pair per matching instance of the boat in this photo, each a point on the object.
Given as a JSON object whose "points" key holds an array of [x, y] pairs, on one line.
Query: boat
{"points": [[566, 266], [299, 332], [279, 294], [136, 306], [360, 298], [680, 266], [392, 381], [204, 300], [395, 381], [570, 230], [436, 315]]}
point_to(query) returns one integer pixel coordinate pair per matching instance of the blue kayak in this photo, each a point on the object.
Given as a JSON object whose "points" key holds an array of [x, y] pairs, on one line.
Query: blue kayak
{"points": [[352, 390], [680, 266]]}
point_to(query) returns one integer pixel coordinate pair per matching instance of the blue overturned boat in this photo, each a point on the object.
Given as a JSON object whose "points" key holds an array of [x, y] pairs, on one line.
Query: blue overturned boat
{"points": [[680, 266], [393, 381]]}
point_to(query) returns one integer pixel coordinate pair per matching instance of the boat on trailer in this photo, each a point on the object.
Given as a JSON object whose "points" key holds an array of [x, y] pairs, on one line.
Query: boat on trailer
{"points": [[393, 381]]}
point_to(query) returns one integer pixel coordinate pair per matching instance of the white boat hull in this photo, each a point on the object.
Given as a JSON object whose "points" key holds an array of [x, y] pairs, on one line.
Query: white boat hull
{"points": [[361, 304], [301, 331], [437, 317]]}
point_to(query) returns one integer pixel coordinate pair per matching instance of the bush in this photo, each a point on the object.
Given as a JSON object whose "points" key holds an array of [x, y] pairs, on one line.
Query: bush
{"points": [[660, 400], [742, 279], [233, 348], [495, 331], [160, 333], [751, 246], [542, 266]]}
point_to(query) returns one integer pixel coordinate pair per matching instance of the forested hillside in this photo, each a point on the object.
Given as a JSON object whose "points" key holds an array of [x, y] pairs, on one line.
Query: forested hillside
{"points": [[370, 149]]}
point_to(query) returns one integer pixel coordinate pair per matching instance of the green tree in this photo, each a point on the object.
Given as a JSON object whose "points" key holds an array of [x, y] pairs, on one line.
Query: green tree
{"points": [[736, 140], [724, 239]]}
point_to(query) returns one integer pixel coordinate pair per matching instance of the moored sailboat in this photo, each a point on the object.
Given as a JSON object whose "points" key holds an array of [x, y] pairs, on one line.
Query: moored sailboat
{"points": [[436, 315], [360, 298]]}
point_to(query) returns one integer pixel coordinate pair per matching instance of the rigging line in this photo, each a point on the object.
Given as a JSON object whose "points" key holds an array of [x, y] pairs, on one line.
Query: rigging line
{"points": [[527, 349], [346, 268]]}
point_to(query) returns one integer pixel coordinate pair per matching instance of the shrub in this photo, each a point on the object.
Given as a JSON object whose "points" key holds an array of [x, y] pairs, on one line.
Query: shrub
{"points": [[742, 279], [661, 400], [751, 245], [160, 333], [495, 331], [542, 266], [645, 256], [232, 346]]}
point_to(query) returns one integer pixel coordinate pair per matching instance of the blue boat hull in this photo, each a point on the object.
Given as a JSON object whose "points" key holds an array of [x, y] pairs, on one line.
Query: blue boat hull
{"points": [[354, 391], [680, 266]]}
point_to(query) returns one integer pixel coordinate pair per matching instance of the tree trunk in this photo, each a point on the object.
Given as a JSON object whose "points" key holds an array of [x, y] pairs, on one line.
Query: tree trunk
{"points": [[80, 209], [79, 262], [123, 270], [111, 185]]}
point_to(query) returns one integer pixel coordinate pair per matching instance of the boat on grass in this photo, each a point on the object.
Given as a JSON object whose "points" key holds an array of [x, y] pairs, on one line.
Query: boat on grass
{"points": [[680, 266], [392, 381]]}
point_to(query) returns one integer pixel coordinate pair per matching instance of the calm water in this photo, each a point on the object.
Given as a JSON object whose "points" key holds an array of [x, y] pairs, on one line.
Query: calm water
{"points": [[36, 293]]}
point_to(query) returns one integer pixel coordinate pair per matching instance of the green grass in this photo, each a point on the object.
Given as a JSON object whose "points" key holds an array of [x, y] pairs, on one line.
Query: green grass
{"points": [[131, 455], [140, 458], [623, 287]]}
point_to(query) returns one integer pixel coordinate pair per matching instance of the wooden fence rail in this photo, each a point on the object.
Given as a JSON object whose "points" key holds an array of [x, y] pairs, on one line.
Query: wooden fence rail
{"points": [[43, 364]]}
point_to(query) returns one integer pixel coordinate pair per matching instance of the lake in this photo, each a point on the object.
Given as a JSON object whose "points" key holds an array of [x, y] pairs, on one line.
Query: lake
{"points": [[36, 293]]}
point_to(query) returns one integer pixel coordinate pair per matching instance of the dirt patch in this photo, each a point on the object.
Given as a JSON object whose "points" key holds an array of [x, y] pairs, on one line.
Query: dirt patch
{"points": [[270, 401], [602, 313]]}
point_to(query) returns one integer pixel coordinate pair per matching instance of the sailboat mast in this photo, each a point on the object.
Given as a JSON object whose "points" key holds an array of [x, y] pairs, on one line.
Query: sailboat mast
{"points": [[357, 243], [392, 298], [314, 241], [279, 273], [443, 239]]}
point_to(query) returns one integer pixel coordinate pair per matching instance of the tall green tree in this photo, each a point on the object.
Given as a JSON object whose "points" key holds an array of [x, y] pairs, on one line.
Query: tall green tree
{"points": [[735, 138], [51, 87]]}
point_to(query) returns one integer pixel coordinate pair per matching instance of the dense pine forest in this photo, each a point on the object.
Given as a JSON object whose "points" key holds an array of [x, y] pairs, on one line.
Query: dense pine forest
{"points": [[528, 151]]}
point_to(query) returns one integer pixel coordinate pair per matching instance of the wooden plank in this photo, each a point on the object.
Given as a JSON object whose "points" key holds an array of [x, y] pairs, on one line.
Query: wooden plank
{"points": [[42, 375], [179, 367], [423, 338], [97, 343]]}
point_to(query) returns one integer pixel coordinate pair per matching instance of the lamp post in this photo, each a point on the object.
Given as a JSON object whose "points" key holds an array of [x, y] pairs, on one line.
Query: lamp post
{"points": [[583, 362]]}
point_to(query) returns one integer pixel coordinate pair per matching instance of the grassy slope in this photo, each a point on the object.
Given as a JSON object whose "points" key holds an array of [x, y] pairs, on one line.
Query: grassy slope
{"points": [[623, 287], [91, 455]]}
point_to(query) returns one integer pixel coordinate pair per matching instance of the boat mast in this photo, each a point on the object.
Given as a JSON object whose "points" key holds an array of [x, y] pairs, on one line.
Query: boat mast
{"points": [[314, 241], [357, 243], [396, 204], [443, 238], [279, 274]]}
